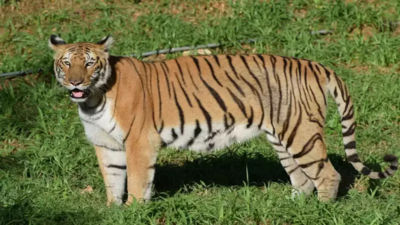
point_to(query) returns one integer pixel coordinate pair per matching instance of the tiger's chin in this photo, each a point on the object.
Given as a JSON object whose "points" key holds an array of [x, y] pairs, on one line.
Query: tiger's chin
{"points": [[79, 96]]}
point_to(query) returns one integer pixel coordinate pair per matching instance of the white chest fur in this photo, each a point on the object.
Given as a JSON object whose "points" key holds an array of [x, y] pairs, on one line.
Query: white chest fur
{"points": [[101, 127]]}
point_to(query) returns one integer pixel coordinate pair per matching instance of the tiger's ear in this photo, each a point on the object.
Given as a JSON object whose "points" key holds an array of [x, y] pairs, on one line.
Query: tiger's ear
{"points": [[106, 43], [55, 42]]}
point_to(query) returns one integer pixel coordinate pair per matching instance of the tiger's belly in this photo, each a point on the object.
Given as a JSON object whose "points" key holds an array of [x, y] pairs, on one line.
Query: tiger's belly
{"points": [[198, 138]]}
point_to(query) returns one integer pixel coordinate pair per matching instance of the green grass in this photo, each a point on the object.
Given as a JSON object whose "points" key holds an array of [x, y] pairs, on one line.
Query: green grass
{"points": [[46, 162]]}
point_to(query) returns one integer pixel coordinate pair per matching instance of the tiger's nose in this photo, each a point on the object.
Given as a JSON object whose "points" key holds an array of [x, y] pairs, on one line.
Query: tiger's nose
{"points": [[75, 82]]}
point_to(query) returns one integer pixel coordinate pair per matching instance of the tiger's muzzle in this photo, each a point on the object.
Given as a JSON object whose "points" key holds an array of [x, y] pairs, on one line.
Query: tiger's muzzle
{"points": [[77, 94]]}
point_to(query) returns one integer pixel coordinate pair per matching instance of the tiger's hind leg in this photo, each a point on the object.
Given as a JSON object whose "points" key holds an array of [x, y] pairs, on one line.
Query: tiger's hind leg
{"points": [[301, 183], [309, 152]]}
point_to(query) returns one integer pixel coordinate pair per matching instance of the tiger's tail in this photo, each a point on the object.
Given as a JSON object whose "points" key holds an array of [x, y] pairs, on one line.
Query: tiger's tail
{"points": [[340, 93]]}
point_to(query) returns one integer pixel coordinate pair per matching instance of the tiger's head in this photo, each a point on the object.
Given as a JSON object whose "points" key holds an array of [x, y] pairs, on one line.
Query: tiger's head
{"points": [[82, 68]]}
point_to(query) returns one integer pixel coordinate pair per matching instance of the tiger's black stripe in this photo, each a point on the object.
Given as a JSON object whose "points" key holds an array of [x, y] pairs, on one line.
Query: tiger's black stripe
{"points": [[319, 85], [145, 72], [226, 124], [238, 102], [354, 158], [328, 74], [159, 92], [191, 77], [174, 135], [120, 167], [180, 71], [210, 137], [166, 78], [305, 88], [292, 135], [350, 115], [293, 170], [335, 92], [292, 92], [299, 73], [273, 61], [229, 58], [113, 127], [196, 62], [350, 145], [271, 115], [255, 91], [251, 72], [180, 111], [235, 84], [141, 81], [258, 65], [350, 130], [309, 146], [109, 148], [150, 78], [251, 118], [197, 131], [161, 127], [215, 94], [287, 121], [306, 165], [184, 93], [206, 114], [341, 89], [316, 102], [216, 60], [129, 131], [321, 165], [212, 72]]}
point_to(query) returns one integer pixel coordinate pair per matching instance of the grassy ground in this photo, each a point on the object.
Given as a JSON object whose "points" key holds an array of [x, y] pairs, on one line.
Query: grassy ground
{"points": [[49, 173]]}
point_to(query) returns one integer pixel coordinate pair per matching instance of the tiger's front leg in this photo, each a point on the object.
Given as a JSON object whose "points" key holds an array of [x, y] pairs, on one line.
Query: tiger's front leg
{"points": [[113, 168], [112, 162], [141, 156]]}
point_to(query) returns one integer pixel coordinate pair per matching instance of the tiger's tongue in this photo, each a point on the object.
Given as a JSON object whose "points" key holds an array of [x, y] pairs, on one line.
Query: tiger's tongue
{"points": [[77, 94]]}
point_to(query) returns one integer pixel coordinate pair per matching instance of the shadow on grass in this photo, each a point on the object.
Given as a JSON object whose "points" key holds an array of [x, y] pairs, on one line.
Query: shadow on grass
{"points": [[347, 172], [24, 211], [12, 163], [230, 170], [226, 170]]}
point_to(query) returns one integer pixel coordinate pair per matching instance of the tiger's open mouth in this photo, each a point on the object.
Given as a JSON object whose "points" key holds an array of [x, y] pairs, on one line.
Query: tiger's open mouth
{"points": [[79, 94]]}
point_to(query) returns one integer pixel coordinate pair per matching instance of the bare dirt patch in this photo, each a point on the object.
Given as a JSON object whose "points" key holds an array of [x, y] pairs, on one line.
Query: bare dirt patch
{"points": [[364, 3], [300, 13], [15, 14], [24, 8], [31, 79], [365, 31], [361, 68], [360, 185], [15, 144], [185, 9]]}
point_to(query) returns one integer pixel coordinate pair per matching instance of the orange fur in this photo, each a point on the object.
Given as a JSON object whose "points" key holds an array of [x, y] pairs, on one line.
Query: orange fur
{"points": [[205, 103]]}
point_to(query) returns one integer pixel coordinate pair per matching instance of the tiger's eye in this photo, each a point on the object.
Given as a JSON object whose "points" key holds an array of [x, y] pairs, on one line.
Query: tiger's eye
{"points": [[88, 64]]}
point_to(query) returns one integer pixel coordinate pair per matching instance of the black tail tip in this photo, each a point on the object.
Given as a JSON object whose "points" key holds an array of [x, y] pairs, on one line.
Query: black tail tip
{"points": [[390, 158]]}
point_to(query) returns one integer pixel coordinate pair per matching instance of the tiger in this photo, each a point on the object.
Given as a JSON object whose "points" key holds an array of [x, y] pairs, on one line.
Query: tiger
{"points": [[130, 109]]}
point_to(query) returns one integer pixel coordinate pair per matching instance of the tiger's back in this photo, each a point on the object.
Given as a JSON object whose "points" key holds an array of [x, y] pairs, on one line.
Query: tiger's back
{"points": [[130, 109]]}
